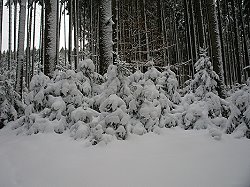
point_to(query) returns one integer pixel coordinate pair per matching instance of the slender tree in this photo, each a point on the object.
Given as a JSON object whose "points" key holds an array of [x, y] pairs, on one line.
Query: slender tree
{"points": [[10, 33], [105, 30], [216, 46], [20, 53], [15, 29], [50, 36], [199, 21], [34, 39], [70, 33]]}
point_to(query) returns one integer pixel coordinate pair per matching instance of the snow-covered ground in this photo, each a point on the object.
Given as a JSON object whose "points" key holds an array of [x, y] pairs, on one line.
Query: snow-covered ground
{"points": [[174, 158]]}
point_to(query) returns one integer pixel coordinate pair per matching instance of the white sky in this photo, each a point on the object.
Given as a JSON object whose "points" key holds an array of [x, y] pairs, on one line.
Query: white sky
{"points": [[38, 18]]}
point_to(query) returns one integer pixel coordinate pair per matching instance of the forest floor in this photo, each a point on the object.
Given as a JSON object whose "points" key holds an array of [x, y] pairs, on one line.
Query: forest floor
{"points": [[175, 158]]}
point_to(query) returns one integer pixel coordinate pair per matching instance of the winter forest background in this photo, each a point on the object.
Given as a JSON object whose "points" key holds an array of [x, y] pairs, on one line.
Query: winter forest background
{"points": [[99, 71], [153, 64]]}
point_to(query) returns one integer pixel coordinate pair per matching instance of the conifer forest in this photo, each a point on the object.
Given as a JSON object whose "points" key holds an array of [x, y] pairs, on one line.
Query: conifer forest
{"points": [[120, 73]]}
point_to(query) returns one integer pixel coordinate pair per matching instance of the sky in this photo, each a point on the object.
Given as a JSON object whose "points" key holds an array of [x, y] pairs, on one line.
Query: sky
{"points": [[37, 36]]}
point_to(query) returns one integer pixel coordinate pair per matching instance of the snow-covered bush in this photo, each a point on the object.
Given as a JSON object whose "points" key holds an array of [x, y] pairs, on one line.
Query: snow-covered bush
{"points": [[169, 84], [145, 107], [205, 79], [239, 119], [202, 103], [114, 118], [57, 98], [116, 83], [10, 102]]}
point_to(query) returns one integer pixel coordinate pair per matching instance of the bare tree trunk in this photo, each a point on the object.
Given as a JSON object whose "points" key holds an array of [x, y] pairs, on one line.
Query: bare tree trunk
{"points": [[115, 29], [199, 21], [20, 54], [76, 38], [50, 37], [189, 41], [42, 38], [236, 43], [70, 34], [146, 29], [221, 40], [216, 46], [105, 35], [15, 24], [10, 35], [246, 53], [28, 60], [57, 31], [65, 38], [34, 39]]}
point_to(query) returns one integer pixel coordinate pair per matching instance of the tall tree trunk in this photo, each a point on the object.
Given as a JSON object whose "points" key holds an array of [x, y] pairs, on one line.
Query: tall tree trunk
{"points": [[15, 24], [28, 59], [115, 29], [76, 38], [146, 29], [199, 21], [192, 30], [221, 40], [70, 34], [246, 53], [189, 41], [42, 38], [57, 30], [236, 43], [34, 40], [65, 35], [20, 53], [1, 27], [216, 46], [10, 34], [105, 35], [50, 36]]}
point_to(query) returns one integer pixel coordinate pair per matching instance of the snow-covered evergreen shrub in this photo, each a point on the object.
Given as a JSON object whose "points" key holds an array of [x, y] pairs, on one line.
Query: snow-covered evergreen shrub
{"points": [[114, 118], [145, 107], [239, 119], [169, 84], [57, 98], [202, 103], [10, 102], [116, 83], [205, 79]]}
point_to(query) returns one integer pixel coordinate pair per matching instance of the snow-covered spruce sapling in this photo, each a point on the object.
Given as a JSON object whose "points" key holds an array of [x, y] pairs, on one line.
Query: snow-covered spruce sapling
{"points": [[205, 87], [169, 84], [203, 96], [10, 101], [239, 119], [205, 79], [145, 108], [116, 83], [114, 118]]}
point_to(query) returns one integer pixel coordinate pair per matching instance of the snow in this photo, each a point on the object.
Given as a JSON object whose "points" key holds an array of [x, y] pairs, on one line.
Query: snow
{"points": [[174, 158]]}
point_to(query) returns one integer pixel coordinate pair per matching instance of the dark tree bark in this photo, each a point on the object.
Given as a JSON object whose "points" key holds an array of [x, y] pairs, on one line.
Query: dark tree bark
{"points": [[50, 36], [199, 22], [221, 40], [246, 53], [10, 35], [15, 24], [20, 53], [236, 43], [70, 33], [216, 46], [105, 35]]}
